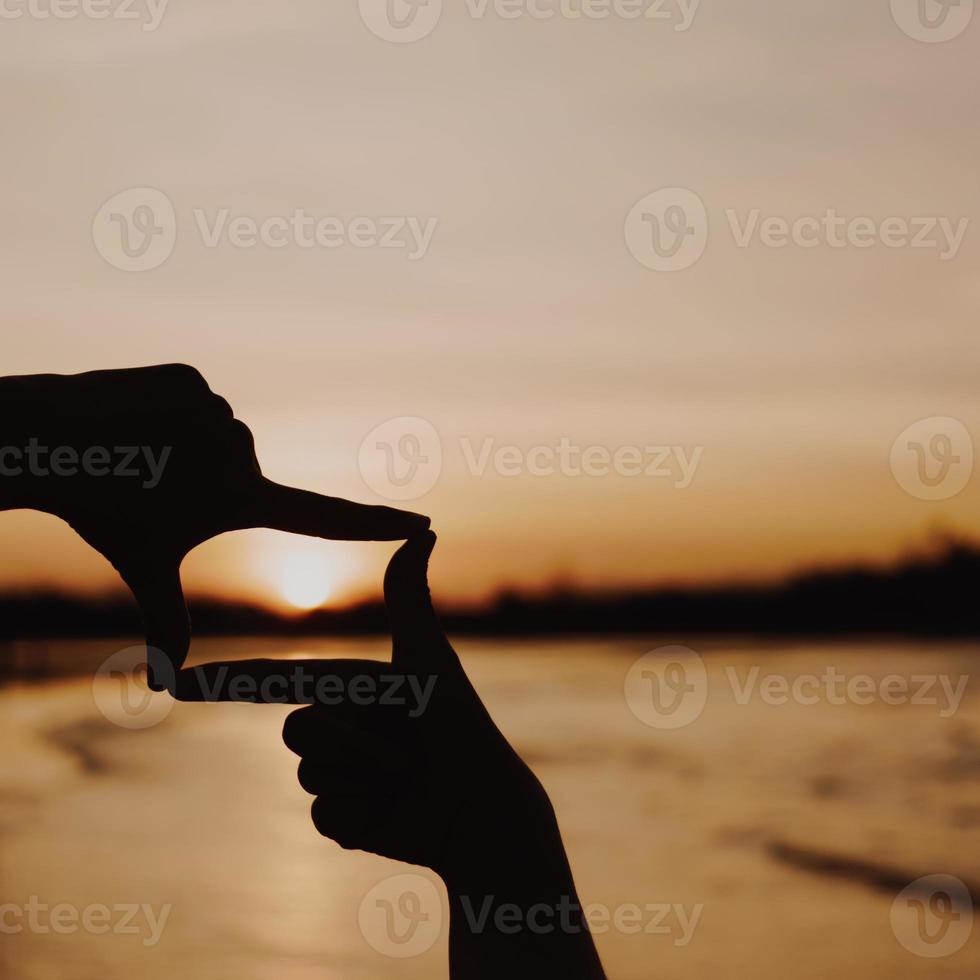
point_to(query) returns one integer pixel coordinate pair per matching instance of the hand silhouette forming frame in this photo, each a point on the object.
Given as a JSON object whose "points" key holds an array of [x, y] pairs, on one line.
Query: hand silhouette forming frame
{"points": [[193, 475], [443, 788], [427, 779]]}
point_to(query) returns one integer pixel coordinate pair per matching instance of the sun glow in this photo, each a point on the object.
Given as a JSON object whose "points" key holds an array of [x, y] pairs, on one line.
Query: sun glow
{"points": [[305, 578]]}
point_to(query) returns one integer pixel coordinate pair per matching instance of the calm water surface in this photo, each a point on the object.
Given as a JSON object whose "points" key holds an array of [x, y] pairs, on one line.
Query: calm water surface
{"points": [[202, 814]]}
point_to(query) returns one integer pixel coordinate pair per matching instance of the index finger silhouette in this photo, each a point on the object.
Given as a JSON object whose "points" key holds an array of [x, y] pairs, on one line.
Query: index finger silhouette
{"points": [[304, 512], [160, 596]]}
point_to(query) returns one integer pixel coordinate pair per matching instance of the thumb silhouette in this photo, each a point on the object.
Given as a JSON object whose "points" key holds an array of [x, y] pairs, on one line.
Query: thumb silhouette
{"points": [[406, 589], [419, 644]]}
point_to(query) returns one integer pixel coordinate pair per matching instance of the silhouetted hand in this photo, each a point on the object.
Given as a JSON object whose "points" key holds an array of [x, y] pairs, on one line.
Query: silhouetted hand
{"points": [[146, 464], [399, 781], [433, 782]]}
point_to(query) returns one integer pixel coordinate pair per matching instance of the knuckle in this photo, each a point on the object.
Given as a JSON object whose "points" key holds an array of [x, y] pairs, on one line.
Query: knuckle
{"points": [[320, 813], [185, 375], [292, 730], [306, 773], [239, 435], [221, 407], [331, 821]]}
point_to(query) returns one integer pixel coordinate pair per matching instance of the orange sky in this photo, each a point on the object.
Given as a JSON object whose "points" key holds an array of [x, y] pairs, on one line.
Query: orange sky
{"points": [[788, 371]]}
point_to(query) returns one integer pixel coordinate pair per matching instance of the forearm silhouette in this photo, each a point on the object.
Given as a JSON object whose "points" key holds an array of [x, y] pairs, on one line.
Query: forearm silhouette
{"points": [[443, 788]]}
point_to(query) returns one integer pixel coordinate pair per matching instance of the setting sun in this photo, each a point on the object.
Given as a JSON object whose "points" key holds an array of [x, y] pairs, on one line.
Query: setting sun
{"points": [[304, 591], [305, 577]]}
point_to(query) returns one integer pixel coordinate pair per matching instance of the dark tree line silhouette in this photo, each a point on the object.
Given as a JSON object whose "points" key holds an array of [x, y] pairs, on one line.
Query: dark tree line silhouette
{"points": [[931, 594]]}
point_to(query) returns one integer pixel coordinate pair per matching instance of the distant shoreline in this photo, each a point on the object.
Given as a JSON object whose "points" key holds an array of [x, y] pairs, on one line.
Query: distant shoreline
{"points": [[41, 660], [932, 595]]}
